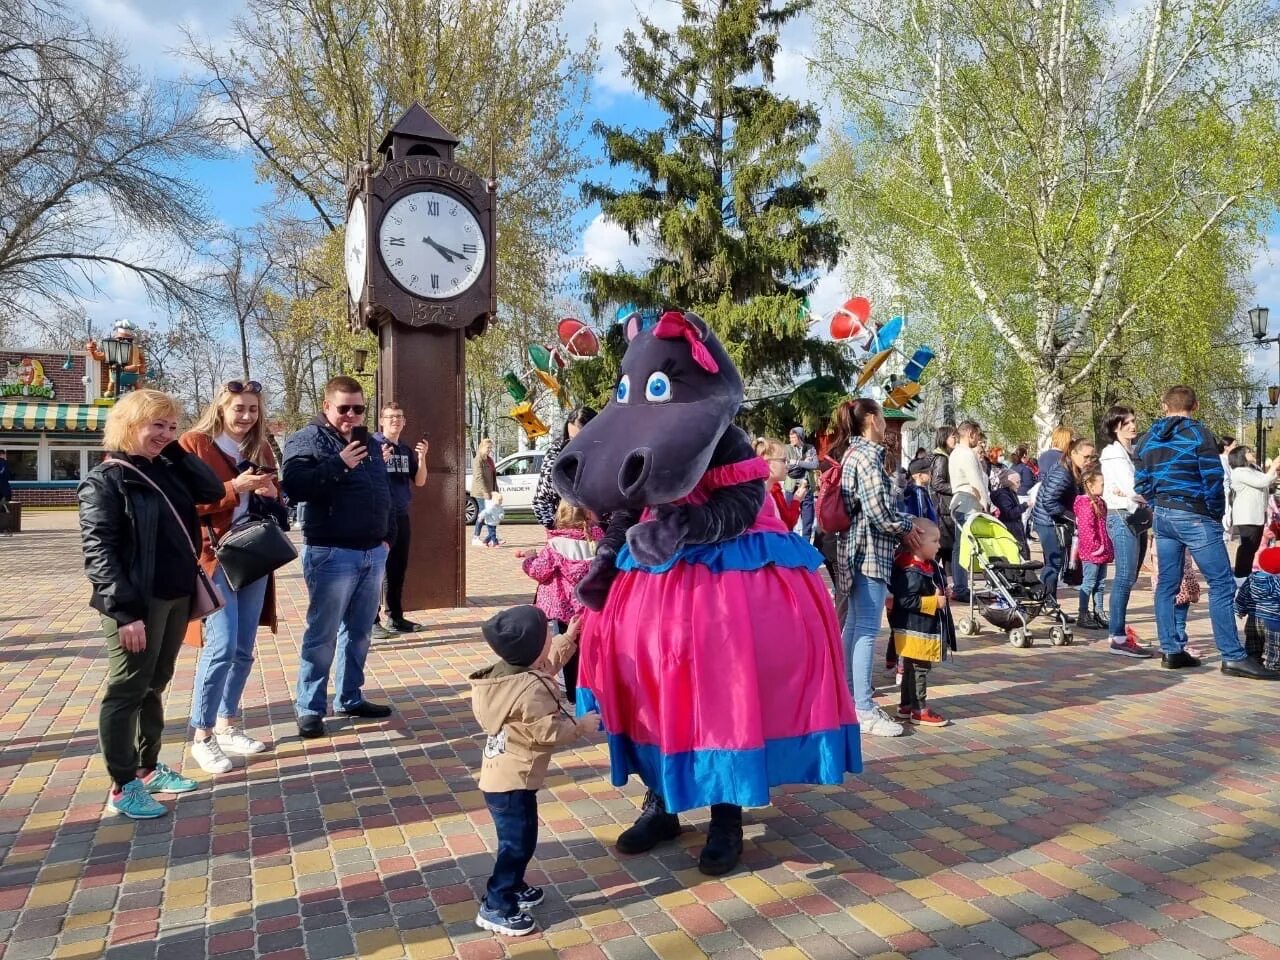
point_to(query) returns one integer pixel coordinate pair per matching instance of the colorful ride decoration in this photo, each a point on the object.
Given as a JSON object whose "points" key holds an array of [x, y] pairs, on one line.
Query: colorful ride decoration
{"points": [[580, 341], [851, 323], [546, 364]]}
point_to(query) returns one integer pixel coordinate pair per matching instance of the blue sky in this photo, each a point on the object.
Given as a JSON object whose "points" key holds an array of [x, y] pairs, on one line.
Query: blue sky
{"points": [[151, 31]]}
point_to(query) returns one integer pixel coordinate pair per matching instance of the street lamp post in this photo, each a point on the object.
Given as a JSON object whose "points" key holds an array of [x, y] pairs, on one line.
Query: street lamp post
{"points": [[1258, 321]]}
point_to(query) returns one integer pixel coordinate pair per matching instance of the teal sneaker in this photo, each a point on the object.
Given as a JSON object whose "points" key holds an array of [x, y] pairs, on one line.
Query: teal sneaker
{"points": [[135, 803], [164, 780]]}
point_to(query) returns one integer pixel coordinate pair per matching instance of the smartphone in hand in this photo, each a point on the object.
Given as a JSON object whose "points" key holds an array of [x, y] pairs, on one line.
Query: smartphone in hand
{"points": [[360, 434]]}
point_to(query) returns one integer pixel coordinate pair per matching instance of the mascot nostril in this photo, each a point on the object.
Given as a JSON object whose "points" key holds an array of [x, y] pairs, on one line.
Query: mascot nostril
{"points": [[635, 471], [566, 473], [709, 642]]}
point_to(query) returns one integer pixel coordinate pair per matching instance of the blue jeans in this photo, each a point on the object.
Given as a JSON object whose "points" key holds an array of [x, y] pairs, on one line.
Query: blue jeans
{"points": [[861, 627], [806, 515], [226, 659], [958, 573], [344, 587], [1180, 611], [1047, 533], [1178, 531], [491, 534], [515, 818], [480, 505], [1092, 585], [1128, 546]]}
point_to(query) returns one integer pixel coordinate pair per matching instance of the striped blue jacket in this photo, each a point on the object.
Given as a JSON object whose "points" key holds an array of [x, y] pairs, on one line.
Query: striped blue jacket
{"points": [[1178, 468]]}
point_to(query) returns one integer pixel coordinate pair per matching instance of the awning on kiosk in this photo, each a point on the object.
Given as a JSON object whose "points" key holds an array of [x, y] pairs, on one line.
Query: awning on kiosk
{"points": [[53, 416]]}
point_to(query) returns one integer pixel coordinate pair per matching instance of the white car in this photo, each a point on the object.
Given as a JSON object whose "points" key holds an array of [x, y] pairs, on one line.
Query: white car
{"points": [[517, 481]]}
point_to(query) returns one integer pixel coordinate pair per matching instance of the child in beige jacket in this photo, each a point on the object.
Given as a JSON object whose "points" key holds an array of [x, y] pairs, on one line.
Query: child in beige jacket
{"points": [[519, 708]]}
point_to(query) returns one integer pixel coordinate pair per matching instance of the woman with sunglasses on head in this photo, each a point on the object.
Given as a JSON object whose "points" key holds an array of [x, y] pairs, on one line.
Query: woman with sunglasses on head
{"points": [[230, 438]]}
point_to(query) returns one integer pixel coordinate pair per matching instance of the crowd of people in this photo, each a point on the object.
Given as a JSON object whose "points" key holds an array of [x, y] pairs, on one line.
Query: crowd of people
{"points": [[158, 512]]}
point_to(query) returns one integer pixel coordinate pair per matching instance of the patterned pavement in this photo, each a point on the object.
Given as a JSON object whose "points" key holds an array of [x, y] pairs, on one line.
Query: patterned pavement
{"points": [[1081, 805]]}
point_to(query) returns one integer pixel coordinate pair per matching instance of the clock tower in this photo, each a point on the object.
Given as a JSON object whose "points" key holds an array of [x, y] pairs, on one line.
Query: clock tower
{"points": [[421, 275]]}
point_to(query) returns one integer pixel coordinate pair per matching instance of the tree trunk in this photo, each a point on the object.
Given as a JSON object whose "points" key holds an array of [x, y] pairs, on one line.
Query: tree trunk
{"points": [[1051, 392]]}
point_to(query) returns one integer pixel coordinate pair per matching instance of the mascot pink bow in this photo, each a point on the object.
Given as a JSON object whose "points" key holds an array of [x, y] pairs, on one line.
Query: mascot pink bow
{"points": [[673, 325]]}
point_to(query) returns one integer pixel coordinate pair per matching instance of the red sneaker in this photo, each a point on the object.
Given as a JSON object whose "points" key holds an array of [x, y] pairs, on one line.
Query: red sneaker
{"points": [[928, 717], [904, 714]]}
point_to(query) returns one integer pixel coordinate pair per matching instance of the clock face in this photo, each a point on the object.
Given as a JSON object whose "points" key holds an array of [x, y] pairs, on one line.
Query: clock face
{"points": [[431, 244], [356, 249]]}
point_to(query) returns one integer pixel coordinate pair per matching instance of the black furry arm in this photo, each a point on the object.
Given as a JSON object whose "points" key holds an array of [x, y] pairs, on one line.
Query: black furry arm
{"points": [[615, 534]]}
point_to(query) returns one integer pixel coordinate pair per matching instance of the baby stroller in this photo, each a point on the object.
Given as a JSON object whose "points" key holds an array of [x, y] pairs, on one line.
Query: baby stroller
{"points": [[1010, 595]]}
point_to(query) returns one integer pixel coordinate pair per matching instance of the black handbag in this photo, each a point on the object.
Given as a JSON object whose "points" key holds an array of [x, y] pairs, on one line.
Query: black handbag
{"points": [[1140, 520], [251, 550]]}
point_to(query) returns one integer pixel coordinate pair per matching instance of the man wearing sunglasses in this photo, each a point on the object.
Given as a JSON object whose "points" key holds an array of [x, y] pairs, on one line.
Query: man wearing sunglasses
{"points": [[347, 528]]}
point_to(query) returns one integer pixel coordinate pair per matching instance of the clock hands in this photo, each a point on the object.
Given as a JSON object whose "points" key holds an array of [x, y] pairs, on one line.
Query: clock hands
{"points": [[449, 255]]}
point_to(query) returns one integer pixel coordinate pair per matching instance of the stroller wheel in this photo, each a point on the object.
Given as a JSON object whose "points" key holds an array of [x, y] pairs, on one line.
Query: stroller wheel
{"points": [[1020, 637], [967, 628], [1060, 636]]}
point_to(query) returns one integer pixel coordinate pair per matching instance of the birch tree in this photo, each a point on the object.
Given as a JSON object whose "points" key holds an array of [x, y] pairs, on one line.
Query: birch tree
{"points": [[1021, 157]]}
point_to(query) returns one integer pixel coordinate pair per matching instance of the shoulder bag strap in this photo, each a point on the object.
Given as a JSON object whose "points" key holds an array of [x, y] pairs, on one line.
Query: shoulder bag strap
{"points": [[169, 503]]}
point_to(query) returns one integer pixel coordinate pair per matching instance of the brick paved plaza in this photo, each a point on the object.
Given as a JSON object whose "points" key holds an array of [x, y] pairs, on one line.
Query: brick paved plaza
{"points": [[1082, 804]]}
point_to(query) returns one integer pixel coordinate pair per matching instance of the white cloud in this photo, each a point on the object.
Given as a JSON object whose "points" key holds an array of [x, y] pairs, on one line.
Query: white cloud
{"points": [[152, 30], [610, 21], [605, 245]]}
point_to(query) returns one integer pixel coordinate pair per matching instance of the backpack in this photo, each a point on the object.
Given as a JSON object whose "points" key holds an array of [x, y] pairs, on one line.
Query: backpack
{"points": [[833, 515]]}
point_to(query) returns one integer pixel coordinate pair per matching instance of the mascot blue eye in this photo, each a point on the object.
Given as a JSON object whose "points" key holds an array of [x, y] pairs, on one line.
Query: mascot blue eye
{"points": [[623, 394], [658, 389]]}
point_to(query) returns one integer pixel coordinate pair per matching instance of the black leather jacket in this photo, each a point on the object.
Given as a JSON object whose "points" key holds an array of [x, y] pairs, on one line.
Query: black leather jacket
{"points": [[940, 481], [120, 515]]}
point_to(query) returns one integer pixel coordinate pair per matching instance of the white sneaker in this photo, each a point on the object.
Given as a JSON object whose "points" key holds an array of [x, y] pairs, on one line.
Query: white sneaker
{"points": [[879, 724], [477, 542], [209, 755], [234, 740]]}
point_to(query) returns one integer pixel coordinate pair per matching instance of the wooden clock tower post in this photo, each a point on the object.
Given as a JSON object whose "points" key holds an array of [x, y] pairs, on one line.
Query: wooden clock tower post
{"points": [[421, 275]]}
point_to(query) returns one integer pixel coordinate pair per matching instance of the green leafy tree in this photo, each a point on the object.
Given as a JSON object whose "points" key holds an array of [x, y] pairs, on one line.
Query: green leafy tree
{"points": [[1049, 172], [720, 190]]}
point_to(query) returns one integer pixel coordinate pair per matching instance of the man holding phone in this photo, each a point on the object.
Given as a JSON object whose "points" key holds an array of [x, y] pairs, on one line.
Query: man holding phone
{"points": [[347, 529], [406, 468]]}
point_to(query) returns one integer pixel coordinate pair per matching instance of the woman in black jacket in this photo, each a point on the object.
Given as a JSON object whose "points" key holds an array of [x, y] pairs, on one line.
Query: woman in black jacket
{"points": [[945, 441], [1055, 504], [141, 564]]}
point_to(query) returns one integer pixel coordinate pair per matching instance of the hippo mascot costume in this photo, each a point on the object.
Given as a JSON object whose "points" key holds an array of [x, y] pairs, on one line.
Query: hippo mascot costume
{"points": [[710, 645]]}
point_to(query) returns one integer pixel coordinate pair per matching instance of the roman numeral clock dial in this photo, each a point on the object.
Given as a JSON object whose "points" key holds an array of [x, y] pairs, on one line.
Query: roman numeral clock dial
{"points": [[431, 244]]}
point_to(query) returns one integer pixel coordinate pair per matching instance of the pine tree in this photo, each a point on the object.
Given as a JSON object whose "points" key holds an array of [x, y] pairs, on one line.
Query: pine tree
{"points": [[722, 191]]}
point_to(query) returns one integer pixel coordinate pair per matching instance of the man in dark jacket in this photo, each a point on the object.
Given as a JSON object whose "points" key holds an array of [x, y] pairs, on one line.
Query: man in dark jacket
{"points": [[406, 468], [802, 464], [1180, 475], [348, 526]]}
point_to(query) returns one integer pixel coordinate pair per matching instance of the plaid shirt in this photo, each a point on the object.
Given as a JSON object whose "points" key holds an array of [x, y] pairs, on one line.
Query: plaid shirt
{"points": [[878, 526]]}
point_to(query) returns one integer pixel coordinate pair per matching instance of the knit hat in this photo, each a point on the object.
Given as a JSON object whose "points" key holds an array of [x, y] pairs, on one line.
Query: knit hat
{"points": [[517, 635], [800, 432], [920, 465], [1269, 560]]}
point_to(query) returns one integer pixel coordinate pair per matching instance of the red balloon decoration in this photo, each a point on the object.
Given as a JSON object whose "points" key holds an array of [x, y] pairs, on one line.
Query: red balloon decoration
{"points": [[579, 340], [851, 319]]}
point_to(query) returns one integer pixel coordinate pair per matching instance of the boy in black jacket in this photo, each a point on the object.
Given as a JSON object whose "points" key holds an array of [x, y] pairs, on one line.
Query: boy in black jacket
{"points": [[920, 621]]}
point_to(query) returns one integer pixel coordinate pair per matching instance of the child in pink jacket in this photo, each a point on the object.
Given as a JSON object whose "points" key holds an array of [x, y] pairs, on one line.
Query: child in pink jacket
{"points": [[559, 567], [1095, 550]]}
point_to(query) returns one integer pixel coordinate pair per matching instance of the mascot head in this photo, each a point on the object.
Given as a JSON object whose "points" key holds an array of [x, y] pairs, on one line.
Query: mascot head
{"points": [[677, 395]]}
